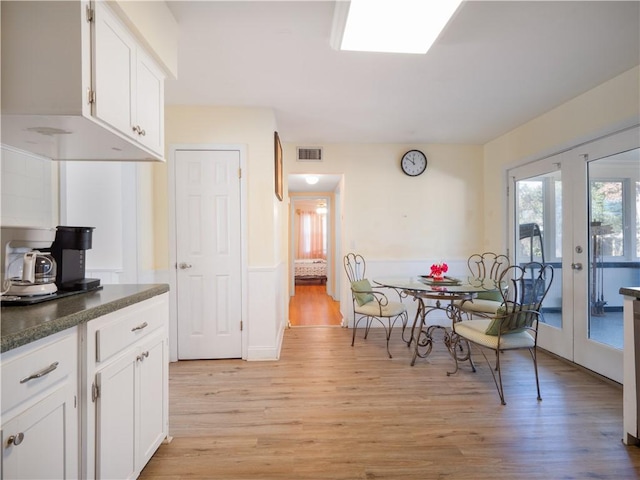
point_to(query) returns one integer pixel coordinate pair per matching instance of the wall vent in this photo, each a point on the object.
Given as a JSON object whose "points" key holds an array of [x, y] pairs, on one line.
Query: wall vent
{"points": [[309, 154]]}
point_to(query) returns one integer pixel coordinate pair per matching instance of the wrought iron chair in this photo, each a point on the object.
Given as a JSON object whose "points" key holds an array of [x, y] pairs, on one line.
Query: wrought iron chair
{"points": [[368, 304], [514, 325], [485, 265]]}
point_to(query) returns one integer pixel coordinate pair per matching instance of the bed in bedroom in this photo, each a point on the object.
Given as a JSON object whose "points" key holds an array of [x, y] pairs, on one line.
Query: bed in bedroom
{"points": [[310, 271]]}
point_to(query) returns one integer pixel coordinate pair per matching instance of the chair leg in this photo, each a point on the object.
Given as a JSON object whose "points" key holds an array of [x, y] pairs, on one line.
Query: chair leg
{"points": [[500, 388], [388, 333], [534, 355]]}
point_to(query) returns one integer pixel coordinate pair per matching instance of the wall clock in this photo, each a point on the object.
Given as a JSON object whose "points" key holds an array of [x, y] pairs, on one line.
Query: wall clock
{"points": [[413, 163]]}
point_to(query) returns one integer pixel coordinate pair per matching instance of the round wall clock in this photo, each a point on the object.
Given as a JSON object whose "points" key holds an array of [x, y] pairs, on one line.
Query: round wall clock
{"points": [[413, 163]]}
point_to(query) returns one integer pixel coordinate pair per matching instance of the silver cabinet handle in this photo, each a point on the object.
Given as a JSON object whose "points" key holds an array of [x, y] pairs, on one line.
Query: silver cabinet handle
{"points": [[40, 373], [140, 327], [184, 266], [15, 439], [141, 357]]}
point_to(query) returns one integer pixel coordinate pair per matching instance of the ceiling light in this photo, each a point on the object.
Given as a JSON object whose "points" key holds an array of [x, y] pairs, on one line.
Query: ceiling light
{"points": [[393, 26], [311, 179], [321, 210]]}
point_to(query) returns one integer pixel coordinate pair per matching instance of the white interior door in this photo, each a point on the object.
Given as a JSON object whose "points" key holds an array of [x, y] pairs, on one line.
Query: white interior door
{"points": [[208, 254]]}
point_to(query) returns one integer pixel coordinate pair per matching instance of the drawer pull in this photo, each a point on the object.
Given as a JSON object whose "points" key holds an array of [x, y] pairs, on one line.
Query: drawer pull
{"points": [[15, 439], [140, 327], [41, 373]]}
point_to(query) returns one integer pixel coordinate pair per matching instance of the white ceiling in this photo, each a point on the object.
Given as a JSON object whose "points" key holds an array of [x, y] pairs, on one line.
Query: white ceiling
{"points": [[497, 65]]}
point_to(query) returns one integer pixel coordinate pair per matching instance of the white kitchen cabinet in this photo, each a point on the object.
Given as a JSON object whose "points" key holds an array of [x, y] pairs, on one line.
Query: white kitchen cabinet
{"points": [[40, 409], [70, 84], [129, 87], [126, 389]]}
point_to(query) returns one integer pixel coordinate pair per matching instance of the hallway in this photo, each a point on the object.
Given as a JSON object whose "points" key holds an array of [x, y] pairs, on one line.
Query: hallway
{"points": [[311, 306]]}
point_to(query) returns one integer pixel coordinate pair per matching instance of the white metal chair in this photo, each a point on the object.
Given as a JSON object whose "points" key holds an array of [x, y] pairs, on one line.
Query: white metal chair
{"points": [[368, 304], [513, 326]]}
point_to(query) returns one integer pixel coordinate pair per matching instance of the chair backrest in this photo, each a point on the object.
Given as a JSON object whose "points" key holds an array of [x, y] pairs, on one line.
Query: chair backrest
{"points": [[355, 267], [487, 265], [527, 286]]}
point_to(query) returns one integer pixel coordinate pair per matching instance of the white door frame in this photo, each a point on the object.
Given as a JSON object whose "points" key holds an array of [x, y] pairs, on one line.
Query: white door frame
{"points": [[171, 184]]}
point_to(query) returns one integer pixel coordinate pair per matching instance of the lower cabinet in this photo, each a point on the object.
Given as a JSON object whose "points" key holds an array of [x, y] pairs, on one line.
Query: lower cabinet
{"points": [[40, 409], [126, 387]]}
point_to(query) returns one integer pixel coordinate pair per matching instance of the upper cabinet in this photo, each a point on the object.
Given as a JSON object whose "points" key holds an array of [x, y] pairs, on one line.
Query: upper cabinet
{"points": [[77, 84]]}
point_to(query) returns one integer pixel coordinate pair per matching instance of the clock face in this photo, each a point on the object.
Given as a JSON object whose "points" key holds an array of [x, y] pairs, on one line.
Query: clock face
{"points": [[413, 163]]}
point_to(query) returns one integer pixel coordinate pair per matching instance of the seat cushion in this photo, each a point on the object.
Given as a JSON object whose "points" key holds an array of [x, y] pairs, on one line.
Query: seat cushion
{"points": [[474, 331], [392, 309], [480, 305], [362, 291]]}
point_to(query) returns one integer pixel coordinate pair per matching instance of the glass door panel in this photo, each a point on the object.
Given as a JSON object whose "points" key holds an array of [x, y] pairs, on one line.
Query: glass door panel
{"points": [[613, 242], [537, 223]]}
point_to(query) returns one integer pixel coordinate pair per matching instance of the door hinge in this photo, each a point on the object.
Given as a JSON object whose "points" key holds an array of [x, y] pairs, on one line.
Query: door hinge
{"points": [[90, 13], [241, 325], [91, 96], [95, 392], [239, 173], [75, 401]]}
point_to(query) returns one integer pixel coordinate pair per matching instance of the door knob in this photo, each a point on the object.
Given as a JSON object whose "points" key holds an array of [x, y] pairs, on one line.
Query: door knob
{"points": [[184, 266], [576, 266]]}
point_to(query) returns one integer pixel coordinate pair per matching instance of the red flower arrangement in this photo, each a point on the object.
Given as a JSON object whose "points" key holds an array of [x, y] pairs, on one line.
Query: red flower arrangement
{"points": [[438, 270]]}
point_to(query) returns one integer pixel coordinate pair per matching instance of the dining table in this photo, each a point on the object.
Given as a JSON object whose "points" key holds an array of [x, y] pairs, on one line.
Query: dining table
{"points": [[433, 294]]}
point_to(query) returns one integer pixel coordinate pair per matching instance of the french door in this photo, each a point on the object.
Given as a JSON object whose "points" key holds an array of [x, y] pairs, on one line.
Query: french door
{"points": [[580, 211]]}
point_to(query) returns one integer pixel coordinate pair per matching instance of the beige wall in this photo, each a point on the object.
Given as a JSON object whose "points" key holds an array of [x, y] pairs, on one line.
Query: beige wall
{"points": [[252, 127], [605, 109], [388, 215]]}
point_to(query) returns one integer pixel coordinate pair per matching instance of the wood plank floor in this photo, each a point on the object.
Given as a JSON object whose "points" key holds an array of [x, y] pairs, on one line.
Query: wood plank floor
{"points": [[311, 306], [327, 410]]}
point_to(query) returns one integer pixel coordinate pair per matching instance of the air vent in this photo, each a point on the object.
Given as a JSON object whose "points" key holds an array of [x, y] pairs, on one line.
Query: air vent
{"points": [[309, 154]]}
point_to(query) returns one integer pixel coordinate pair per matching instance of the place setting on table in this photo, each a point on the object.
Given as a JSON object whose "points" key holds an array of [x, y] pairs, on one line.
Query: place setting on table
{"points": [[447, 294]]}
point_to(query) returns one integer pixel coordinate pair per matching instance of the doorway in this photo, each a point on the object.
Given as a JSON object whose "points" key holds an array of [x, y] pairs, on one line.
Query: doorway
{"points": [[580, 211], [313, 249]]}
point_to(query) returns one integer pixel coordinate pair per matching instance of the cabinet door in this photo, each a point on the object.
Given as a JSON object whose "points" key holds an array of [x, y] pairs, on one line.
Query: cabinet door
{"points": [[153, 376], [115, 420], [113, 66], [42, 442], [149, 101]]}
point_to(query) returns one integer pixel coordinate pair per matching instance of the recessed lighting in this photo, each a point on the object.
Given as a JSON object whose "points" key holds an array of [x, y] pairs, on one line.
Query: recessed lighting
{"points": [[391, 26]]}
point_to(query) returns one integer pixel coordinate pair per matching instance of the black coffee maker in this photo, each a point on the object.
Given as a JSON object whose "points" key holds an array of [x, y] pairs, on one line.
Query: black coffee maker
{"points": [[68, 250]]}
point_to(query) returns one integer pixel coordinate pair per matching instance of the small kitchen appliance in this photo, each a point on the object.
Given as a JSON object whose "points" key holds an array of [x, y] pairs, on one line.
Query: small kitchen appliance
{"points": [[37, 275], [68, 250]]}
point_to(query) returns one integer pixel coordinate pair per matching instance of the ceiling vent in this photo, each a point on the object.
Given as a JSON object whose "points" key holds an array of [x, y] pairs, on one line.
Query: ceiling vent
{"points": [[309, 154]]}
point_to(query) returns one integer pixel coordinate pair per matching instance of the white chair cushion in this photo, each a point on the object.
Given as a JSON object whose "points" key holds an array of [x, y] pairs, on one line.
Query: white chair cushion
{"points": [[373, 309], [479, 305], [473, 330]]}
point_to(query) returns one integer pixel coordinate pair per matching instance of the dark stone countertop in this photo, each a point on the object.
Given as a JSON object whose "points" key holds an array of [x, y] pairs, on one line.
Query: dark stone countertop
{"points": [[24, 324], [630, 291]]}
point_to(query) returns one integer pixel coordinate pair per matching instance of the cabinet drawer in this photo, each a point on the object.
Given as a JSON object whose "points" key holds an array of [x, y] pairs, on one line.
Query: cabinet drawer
{"points": [[29, 372], [128, 327]]}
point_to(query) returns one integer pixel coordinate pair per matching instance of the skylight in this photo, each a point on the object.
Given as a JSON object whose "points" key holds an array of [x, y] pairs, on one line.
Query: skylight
{"points": [[392, 26]]}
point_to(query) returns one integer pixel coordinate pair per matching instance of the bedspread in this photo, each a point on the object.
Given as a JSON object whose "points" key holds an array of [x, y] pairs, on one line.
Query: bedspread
{"points": [[314, 267]]}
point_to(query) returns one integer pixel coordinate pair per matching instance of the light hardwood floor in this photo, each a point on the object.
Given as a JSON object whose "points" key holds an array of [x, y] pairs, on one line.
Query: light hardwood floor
{"points": [[327, 410], [311, 306]]}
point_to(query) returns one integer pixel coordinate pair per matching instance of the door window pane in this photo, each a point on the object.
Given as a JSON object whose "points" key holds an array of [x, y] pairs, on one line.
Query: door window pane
{"points": [[539, 233], [613, 235]]}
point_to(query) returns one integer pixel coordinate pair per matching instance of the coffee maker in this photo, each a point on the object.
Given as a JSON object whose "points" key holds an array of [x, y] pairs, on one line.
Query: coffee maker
{"points": [[68, 249]]}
